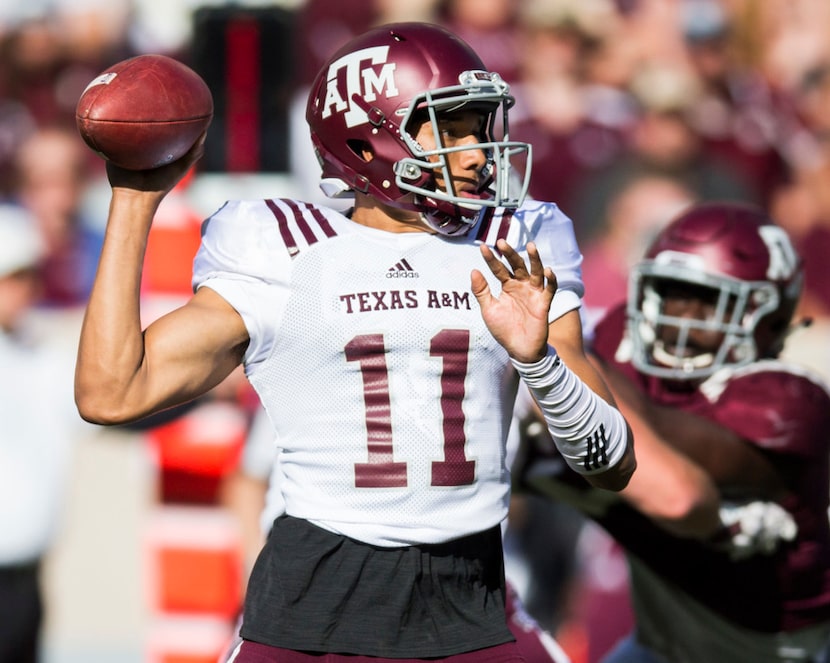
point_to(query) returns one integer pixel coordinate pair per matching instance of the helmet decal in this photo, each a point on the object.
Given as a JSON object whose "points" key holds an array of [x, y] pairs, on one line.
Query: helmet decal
{"points": [[783, 260], [367, 74]]}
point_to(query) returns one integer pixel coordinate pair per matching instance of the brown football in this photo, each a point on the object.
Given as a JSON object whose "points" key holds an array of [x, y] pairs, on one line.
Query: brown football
{"points": [[144, 112]]}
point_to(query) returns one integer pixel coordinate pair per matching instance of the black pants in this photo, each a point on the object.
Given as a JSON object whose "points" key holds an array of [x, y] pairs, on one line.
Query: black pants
{"points": [[21, 613]]}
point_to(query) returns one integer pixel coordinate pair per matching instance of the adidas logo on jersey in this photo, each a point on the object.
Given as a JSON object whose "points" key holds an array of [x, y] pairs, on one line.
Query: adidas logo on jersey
{"points": [[401, 270]]}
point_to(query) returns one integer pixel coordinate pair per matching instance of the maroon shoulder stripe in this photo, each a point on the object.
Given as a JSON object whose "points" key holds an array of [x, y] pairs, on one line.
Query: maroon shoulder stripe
{"points": [[494, 226], [285, 231], [303, 224], [321, 220], [504, 224], [486, 222]]}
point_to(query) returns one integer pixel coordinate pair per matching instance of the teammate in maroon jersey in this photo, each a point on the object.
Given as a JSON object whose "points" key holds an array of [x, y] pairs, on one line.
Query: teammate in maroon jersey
{"points": [[692, 358]]}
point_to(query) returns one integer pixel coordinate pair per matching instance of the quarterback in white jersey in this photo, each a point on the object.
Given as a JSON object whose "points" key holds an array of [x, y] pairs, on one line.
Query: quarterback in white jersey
{"points": [[385, 358]]}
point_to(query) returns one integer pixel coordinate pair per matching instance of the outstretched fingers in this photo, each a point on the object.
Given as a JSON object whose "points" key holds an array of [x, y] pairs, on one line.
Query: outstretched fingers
{"points": [[516, 262], [495, 265], [518, 317], [537, 275]]}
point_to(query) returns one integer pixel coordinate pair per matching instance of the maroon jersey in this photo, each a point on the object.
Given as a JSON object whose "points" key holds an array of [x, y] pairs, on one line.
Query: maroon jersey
{"points": [[785, 411]]}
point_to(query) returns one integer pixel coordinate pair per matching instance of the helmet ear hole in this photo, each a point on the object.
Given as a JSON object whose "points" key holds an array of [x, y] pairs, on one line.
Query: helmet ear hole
{"points": [[361, 149]]}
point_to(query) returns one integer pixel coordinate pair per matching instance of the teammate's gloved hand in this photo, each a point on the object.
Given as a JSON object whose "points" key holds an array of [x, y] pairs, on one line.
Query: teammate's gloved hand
{"points": [[754, 528]]}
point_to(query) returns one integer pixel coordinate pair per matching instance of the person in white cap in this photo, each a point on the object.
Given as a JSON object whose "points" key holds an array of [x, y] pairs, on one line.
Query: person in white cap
{"points": [[37, 415]]}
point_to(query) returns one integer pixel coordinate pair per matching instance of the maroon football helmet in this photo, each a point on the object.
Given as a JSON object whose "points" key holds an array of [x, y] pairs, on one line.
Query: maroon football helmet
{"points": [[744, 265], [366, 98]]}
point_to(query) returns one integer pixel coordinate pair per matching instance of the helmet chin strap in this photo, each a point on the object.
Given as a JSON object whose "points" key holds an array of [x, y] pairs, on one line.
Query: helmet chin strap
{"points": [[449, 224]]}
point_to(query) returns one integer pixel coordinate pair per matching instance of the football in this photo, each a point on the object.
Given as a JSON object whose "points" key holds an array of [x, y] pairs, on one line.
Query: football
{"points": [[144, 112]]}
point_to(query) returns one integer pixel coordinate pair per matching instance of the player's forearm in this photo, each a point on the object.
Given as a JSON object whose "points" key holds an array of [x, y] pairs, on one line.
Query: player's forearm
{"points": [[737, 467], [590, 433], [111, 346], [668, 488]]}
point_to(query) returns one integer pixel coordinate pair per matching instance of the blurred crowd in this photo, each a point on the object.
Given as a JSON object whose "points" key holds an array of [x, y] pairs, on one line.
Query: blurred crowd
{"points": [[634, 109]]}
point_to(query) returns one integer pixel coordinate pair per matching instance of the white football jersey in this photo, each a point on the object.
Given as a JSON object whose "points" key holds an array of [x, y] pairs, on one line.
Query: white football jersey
{"points": [[390, 399]]}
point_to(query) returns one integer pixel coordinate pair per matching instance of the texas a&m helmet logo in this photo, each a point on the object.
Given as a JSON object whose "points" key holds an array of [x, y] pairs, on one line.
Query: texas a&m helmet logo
{"points": [[367, 74]]}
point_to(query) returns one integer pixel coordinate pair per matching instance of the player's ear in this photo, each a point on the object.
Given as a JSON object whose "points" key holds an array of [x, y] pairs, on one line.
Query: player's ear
{"points": [[367, 154], [362, 149]]}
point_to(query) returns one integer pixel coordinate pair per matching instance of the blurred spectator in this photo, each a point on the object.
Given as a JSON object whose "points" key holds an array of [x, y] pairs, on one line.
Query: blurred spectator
{"points": [[635, 215], [803, 205], [813, 143], [93, 33], [51, 169], [738, 115], [322, 27], [661, 143], [785, 37], [800, 215], [39, 421], [32, 56], [490, 27], [803, 208], [653, 29], [570, 105], [50, 53]]}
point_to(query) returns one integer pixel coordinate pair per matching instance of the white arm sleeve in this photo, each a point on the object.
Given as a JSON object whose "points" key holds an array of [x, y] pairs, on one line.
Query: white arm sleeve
{"points": [[590, 434]]}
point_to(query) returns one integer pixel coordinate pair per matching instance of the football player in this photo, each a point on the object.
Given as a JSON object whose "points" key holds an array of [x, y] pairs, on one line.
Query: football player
{"points": [[383, 352], [692, 358]]}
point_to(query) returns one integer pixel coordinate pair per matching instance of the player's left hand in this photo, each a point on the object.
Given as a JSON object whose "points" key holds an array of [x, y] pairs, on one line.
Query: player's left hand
{"points": [[518, 318], [755, 528]]}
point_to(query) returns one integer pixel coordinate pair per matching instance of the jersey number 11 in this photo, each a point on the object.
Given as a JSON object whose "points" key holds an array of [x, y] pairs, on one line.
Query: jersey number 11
{"points": [[449, 345]]}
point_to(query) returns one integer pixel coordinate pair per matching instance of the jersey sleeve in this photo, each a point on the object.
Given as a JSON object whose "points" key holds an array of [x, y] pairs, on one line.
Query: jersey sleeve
{"points": [[553, 233], [779, 409], [241, 258]]}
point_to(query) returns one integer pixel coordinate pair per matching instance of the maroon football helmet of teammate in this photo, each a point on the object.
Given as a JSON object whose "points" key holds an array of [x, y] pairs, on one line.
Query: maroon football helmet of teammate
{"points": [[741, 267], [377, 89]]}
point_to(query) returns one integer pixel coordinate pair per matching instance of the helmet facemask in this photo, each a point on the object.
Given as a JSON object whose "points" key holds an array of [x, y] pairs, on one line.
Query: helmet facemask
{"points": [[736, 309], [498, 188]]}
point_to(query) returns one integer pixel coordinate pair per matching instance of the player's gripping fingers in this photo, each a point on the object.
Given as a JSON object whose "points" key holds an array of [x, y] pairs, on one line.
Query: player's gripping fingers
{"points": [[162, 179]]}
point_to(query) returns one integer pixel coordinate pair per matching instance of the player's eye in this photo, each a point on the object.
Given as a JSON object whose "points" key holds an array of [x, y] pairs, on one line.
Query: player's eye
{"points": [[462, 125]]}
